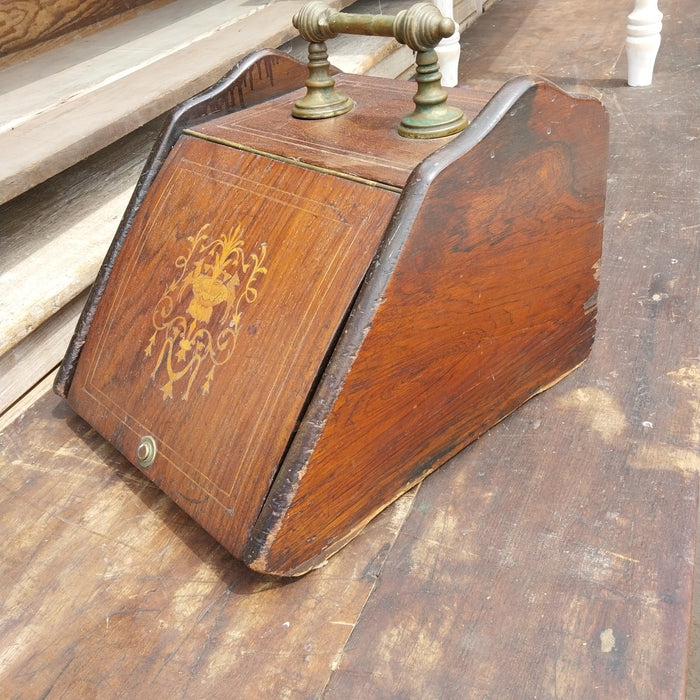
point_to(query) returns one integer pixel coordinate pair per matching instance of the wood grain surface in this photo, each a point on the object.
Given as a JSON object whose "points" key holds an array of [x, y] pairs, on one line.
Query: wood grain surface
{"points": [[256, 78], [90, 94], [550, 585], [483, 295], [96, 554], [24, 23], [553, 557], [363, 142], [217, 317]]}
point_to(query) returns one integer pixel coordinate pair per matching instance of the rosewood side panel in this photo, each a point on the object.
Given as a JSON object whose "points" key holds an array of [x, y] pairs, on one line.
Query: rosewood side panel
{"points": [[483, 295], [257, 78], [299, 320]]}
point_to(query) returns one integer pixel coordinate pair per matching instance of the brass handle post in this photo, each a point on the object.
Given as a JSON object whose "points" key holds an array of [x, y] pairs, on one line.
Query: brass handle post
{"points": [[421, 27]]}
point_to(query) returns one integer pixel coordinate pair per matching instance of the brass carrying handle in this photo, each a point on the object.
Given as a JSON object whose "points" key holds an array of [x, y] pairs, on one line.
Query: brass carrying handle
{"points": [[421, 27]]}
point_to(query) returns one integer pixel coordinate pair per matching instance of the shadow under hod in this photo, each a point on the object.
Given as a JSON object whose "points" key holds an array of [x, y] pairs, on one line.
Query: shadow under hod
{"points": [[232, 572]]}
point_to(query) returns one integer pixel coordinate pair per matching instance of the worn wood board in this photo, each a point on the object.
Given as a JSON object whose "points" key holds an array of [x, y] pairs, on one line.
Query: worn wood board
{"points": [[30, 22], [108, 590], [136, 77]]}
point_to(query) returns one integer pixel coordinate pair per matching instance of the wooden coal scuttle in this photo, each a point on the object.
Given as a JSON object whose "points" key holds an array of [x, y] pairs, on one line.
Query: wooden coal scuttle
{"points": [[311, 302]]}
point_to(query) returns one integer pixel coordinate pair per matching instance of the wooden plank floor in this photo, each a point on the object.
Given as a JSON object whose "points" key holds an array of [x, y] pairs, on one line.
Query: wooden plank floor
{"points": [[551, 559]]}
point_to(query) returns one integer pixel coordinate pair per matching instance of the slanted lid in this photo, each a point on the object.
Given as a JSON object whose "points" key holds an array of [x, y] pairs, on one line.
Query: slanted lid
{"points": [[363, 143], [222, 307]]}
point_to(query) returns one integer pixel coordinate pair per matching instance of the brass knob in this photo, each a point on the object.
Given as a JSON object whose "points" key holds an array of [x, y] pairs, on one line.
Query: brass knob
{"points": [[146, 451]]}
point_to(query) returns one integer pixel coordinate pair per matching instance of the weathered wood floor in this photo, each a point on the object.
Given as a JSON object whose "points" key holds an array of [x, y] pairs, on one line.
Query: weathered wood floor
{"points": [[552, 558]]}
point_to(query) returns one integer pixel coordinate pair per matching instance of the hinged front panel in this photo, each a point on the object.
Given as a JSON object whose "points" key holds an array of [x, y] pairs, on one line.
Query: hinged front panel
{"points": [[216, 320]]}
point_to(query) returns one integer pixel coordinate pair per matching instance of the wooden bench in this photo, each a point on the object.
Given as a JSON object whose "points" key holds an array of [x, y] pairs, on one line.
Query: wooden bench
{"points": [[552, 558]]}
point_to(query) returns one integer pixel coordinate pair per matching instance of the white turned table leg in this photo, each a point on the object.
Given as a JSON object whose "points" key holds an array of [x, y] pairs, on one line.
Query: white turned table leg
{"points": [[448, 49], [643, 40]]}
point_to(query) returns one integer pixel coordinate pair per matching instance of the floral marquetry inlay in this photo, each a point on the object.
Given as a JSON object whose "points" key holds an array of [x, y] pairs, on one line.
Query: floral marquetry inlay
{"points": [[198, 317]]}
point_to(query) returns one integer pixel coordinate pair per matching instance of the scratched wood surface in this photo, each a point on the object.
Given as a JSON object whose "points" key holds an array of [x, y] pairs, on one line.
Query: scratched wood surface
{"points": [[553, 558], [109, 590], [28, 22]]}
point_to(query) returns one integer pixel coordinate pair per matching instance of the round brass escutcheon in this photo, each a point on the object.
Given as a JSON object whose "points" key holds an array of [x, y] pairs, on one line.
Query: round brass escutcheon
{"points": [[146, 451]]}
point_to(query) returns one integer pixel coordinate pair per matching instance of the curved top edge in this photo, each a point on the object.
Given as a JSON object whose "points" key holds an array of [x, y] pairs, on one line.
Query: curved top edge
{"points": [[505, 99], [218, 97], [484, 122]]}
